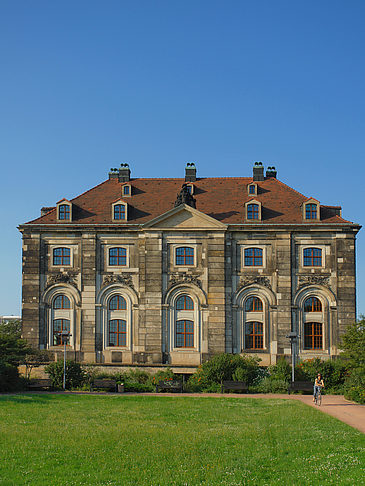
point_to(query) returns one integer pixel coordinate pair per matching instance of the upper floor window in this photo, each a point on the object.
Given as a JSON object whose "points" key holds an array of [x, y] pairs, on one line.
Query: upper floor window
{"points": [[117, 257], [184, 303], [311, 211], [117, 303], [312, 304], [253, 304], [61, 302], [61, 256], [119, 211], [253, 211], [252, 189], [253, 257], [184, 256], [64, 212], [126, 190], [312, 257]]}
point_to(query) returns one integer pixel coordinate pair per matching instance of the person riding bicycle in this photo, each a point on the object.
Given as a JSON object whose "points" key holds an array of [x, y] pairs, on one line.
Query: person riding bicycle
{"points": [[318, 385]]}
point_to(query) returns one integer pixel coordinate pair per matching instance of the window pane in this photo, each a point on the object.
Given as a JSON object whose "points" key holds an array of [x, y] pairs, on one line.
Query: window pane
{"points": [[254, 338], [312, 305], [119, 211], [253, 304], [312, 257], [61, 302], [253, 257], [184, 334], [117, 332], [184, 256], [117, 303], [184, 303], [118, 256], [313, 338], [61, 256]]}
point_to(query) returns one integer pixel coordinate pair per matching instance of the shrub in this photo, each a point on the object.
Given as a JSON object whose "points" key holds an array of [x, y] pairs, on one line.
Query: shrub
{"points": [[9, 378], [271, 384], [138, 387], [333, 371], [166, 374], [75, 375]]}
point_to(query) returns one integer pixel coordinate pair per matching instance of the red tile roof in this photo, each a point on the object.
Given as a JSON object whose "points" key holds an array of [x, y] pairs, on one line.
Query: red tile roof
{"points": [[222, 198]]}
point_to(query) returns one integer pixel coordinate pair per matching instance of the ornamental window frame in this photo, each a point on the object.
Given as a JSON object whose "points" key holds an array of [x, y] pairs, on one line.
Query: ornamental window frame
{"points": [[252, 189], [129, 188], [315, 247], [52, 256], [176, 247], [177, 315], [120, 203], [67, 314], [259, 211], [311, 202], [246, 318], [255, 247], [64, 203], [117, 315]]}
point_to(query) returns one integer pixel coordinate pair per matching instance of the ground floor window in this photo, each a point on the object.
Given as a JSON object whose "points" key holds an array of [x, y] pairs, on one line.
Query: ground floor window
{"points": [[184, 334], [254, 338], [117, 332], [313, 336], [59, 326]]}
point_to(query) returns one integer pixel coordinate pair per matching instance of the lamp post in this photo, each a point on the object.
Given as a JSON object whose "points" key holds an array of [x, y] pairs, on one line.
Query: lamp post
{"points": [[65, 335], [293, 339]]}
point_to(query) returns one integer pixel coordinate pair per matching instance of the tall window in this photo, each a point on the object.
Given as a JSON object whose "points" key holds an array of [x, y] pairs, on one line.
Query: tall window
{"points": [[254, 338], [312, 257], [119, 211], [253, 257], [252, 189], [184, 303], [184, 256], [311, 211], [61, 256], [61, 302], [59, 326], [118, 257], [126, 190], [117, 303], [313, 337], [184, 334], [117, 335], [253, 304], [312, 305], [64, 211], [252, 211]]}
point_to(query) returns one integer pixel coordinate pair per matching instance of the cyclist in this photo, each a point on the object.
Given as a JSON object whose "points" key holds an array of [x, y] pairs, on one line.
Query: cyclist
{"points": [[318, 385]]}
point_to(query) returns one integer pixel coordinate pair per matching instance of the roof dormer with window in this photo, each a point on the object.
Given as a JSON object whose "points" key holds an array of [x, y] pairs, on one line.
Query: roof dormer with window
{"points": [[311, 210], [253, 211], [252, 189], [119, 211], [64, 211], [126, 190]]}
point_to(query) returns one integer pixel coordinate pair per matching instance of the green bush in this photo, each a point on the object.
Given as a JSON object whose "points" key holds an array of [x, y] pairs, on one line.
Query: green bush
{"points": [[271, 384], [75, 375], [355, 393], [9, 378], [334, 372], [138, 387]]}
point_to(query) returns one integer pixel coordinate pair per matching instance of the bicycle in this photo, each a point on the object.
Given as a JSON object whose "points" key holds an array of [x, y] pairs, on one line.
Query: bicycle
{"points": [[318, 396]]}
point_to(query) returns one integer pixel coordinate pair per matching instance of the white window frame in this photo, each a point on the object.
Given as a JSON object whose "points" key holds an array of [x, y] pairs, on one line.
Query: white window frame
{"points": [[260, 247], [301, 256], [63, 203], [61, 314], [175, 246], [117, 314], [258, 203], [126, 211], [179, 315], [248, 189], [130, 191], [61, 245], [116, 245]]}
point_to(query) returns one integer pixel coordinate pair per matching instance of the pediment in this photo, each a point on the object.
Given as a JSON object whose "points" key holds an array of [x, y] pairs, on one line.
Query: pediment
{"points": [[185, 217]]}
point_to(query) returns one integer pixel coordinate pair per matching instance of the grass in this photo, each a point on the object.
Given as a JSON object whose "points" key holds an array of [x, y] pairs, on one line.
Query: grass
{"points": [[51, 439]]}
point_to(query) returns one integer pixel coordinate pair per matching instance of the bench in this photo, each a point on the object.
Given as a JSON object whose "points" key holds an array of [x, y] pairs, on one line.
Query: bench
{"points": [[39, 383], [234, 385], [104, 384], [300, 386], [169, 385]]}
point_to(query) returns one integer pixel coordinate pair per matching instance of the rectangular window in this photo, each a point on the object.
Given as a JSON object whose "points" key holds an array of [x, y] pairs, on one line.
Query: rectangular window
{"points": [[184, 256], [311, 211], [312, 257], [61, 256], [64, 212], [253, 211], [60, 326], [117, 332], [313, 338], [254, 335], [253, 257], [118, 257], [119, 212], [184, 334], [252, 190], [126, 190]]}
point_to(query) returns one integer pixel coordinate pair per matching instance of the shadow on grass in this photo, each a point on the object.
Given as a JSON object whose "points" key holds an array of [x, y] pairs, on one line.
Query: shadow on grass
{"points": [[33, 398]]}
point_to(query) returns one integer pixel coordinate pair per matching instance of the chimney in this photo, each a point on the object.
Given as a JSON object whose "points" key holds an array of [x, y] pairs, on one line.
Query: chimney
{"points": [[258, 172], [271, 172], [190, 172], [124, 173], [113, 173]]}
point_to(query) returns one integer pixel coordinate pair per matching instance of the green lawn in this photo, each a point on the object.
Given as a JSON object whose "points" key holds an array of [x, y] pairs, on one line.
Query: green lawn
{"points": [[51, 439]]}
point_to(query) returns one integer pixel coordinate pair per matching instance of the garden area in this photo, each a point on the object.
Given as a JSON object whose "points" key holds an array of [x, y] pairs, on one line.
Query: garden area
{"points": [[146, 440]]}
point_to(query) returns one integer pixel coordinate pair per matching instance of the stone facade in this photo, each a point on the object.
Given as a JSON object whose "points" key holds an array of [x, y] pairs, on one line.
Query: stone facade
{"points": [[218, 283]]}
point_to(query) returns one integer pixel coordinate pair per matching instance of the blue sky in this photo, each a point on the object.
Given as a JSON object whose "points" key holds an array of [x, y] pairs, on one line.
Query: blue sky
{"points": [[86, 85]]}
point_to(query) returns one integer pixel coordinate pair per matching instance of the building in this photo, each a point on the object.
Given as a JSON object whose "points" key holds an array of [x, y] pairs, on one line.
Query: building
{"points": [[172, 271]]}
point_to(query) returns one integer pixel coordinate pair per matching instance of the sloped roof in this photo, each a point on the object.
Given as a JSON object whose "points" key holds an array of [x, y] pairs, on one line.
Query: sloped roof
{"points": [[222, 198]]}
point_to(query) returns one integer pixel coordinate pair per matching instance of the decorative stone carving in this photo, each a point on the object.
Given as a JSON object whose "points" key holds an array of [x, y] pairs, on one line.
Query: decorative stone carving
{"points": [[184, 278], [184, 197], [314, 280], [249, 280], [124, 278], [67, 278]]}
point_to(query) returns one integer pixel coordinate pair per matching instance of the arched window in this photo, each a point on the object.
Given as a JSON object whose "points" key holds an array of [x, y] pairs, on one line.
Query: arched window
{"points": [[61, 256], [60, 326], [119, 211], [117, 303], [313, 335], [117, 257], [254, 338], [184, 334], [253, 211], [184, 255], [253, 304], [311, 211], [253, 257], [117, 332], [64, 211], [312, 257], [312, 304], [184, 303], [61, 302]]}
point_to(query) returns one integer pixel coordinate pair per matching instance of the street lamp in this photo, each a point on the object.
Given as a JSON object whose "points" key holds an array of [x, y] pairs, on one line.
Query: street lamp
{"points": [[293, 339], [65, 335]]}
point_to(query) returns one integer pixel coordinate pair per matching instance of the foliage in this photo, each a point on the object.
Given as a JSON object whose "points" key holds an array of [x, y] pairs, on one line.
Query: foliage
{"points": [[12, 352], [114, 440], [9, 377], [12, 349], [353, 343], [333, 372], [355, 393], [271, 384], [75, 375], [138, 387], [35, 358], [11, 328], [166, 374]]}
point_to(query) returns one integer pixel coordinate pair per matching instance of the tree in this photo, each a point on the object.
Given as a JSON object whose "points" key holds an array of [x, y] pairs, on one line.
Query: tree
{"points": [[353, 343], [13, 349]]}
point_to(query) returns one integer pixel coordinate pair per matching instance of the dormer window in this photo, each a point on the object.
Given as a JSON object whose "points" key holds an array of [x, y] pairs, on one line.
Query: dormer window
{"points": [[310, 210], [64, 211], [126, 190], [190, 188], [253, 210], [120, 211], [252, 189]]}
